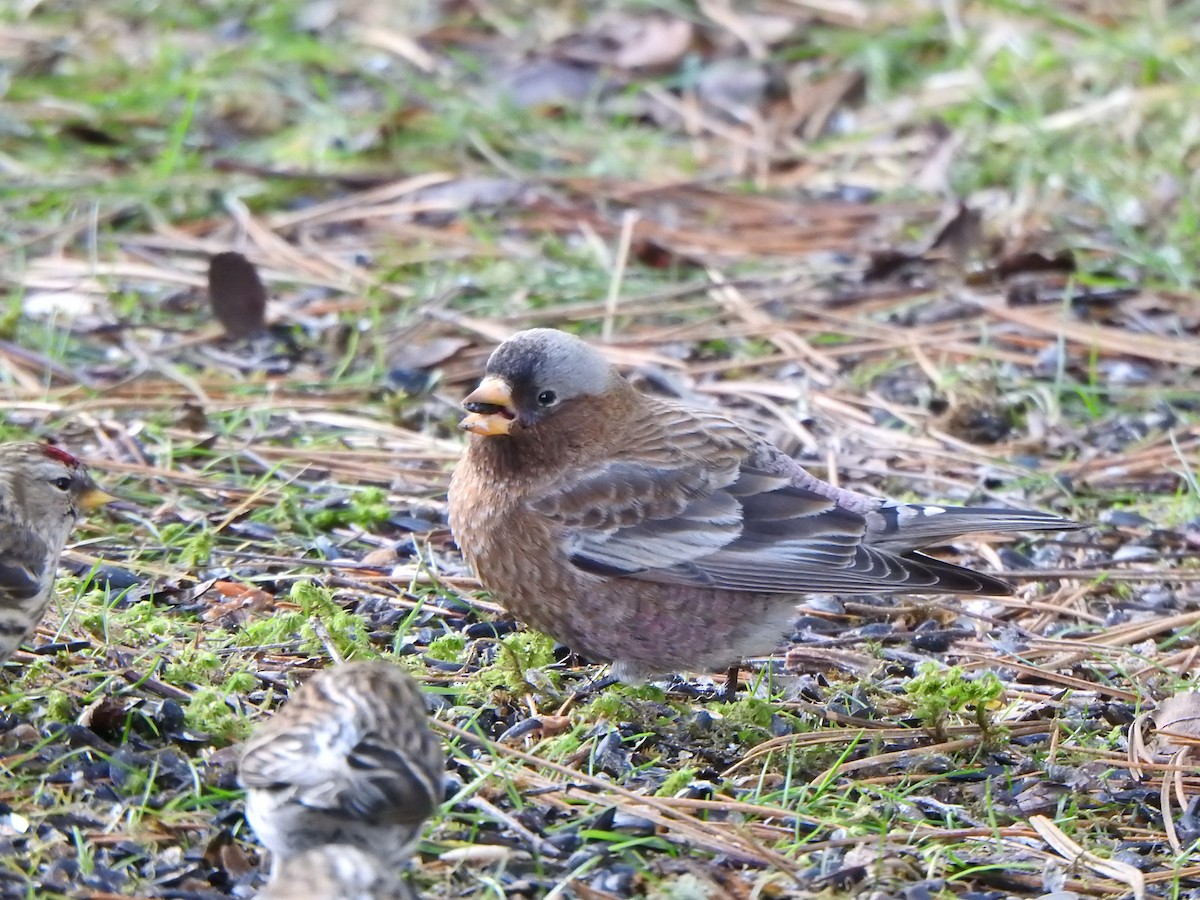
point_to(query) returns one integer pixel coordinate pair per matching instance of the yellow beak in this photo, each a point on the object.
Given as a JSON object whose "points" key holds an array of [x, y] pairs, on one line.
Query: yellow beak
{"points": [[94, 498], [490, 408]]}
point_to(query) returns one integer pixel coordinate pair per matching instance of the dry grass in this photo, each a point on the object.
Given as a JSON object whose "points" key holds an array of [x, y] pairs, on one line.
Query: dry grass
{"points": [[942, 250]]}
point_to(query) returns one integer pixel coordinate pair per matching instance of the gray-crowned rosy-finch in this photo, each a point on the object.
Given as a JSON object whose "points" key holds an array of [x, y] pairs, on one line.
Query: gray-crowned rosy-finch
{"points": [[349, 759], [43, 492], [335, 872], [662, 537]]}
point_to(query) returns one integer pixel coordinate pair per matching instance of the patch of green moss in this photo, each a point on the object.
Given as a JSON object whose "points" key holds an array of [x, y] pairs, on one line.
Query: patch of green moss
{"points": [[145, 615], [240, 683], [346, 630], [136, 624], [518, 653], [287, 515], [10, 316], [190, 545], [624, 702], [746, 721], [207, 712], [367, 508], [59, 706], [687, 886], [447, 647], [939, 693], [280, 627], [191, 665], [676, 782]]}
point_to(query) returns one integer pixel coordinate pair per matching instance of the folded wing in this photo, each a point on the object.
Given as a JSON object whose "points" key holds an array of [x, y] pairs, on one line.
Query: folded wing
{"points": [[732, 525]]}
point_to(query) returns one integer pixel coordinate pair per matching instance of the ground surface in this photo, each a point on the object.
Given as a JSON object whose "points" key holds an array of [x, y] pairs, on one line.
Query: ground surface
{"points": [[939, 250]]}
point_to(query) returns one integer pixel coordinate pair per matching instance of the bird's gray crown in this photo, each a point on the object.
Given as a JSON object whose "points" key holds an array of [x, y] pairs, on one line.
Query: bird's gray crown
{"points": [[544, 358]]}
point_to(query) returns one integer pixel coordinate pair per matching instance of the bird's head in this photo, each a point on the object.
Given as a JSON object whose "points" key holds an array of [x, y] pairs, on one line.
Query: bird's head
{"points": [[533, 376], [51, 484]]}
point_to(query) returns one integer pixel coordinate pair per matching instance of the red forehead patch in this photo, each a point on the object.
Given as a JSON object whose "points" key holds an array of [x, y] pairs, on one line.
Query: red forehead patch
{"points": [[61, 455]]}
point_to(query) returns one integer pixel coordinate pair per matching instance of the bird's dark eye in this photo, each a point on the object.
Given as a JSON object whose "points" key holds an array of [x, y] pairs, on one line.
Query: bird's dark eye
{"points": [[547, 398], [62, 483]]}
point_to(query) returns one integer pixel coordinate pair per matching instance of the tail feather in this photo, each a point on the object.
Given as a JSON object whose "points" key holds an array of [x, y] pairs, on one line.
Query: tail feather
{"points": [[902, 527], [952, 579]]}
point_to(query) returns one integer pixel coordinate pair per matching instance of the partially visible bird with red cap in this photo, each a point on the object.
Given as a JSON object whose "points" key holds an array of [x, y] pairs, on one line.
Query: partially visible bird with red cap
{"points": [[44, 491]]}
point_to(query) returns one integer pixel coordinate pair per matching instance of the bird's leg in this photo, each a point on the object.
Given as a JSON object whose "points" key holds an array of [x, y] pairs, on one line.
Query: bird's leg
{"points": [[729, 692]]}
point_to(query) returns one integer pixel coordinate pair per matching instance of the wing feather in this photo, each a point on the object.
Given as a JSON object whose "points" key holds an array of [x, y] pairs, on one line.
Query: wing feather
{"points": [[694, 500], [22, 562]]}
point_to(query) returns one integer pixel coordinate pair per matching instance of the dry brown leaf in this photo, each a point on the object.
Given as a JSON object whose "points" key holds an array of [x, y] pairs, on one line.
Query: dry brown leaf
{"points": [[1069, 850], [425, 354], [237, 295], [756, 30], [402, 45], [629, 42], [1177, 720], [652, 42], [961, 237], [239, 603], [734, 87], [104, 714], [462, 194], [541, 83], [553, 726], [381, 558], [823, 659]]}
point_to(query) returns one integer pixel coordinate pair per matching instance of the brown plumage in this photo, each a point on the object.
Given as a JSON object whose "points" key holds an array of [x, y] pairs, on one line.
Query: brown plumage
{"points": [[335, 872], [349, 759], [44, 491], [662, 537]]}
